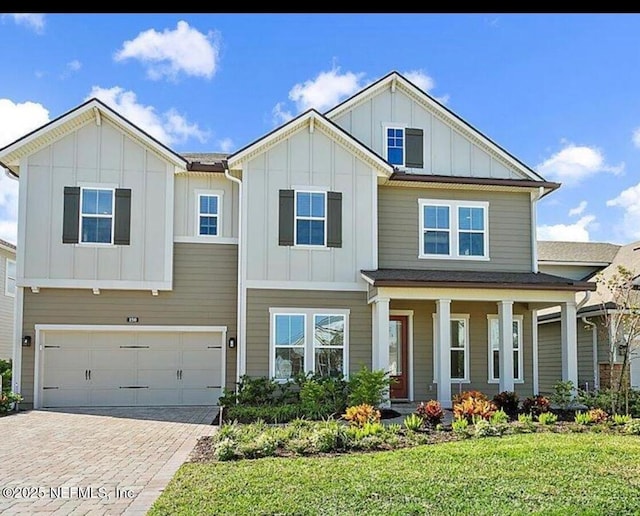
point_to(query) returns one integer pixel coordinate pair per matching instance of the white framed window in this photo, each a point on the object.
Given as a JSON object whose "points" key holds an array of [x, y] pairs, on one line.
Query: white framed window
{"points": [[494, 348], [394, 144], [97, 206], [10, 278], [310, 228], [453, 229], [308, 341], [208, 208], [458, 348]]}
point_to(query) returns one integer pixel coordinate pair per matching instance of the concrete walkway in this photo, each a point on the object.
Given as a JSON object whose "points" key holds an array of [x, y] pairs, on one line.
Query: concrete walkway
{"points": [[94, 461]]}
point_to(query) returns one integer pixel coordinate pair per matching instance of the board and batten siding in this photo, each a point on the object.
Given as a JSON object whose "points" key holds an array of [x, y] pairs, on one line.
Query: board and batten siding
{"points": [[204, 294], [187, 187], [446, 151], [308, 161], [399, 236], [424, 388], [6, 309], [96, 155], [258, 322]]}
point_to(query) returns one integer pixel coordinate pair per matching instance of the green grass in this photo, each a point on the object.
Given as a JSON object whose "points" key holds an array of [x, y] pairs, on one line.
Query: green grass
{"points": [[534, 473]]}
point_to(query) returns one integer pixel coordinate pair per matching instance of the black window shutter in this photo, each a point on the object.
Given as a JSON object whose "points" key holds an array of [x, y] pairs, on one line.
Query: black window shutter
{"points": [[414, 153], [286, 216], [71, 215], [334, 219], [122, 229]]}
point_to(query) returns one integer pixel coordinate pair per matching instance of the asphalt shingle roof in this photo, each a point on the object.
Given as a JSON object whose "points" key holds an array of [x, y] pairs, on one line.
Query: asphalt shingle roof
{"points": [[576, 252]]}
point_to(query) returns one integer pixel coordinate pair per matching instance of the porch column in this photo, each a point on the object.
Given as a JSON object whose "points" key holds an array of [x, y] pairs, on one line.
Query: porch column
{"points": [[380, 358], [569, 342], [505, 325], [443, 345]]}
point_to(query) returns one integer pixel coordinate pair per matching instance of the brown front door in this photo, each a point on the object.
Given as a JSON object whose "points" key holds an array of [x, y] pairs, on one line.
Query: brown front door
{"points": [[398, 362]]}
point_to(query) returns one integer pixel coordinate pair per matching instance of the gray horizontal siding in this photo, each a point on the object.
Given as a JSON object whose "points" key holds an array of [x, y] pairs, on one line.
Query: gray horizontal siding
{"points": [[204, 294], [549, 357], [258, 304], [6, 310], [509, 229]]}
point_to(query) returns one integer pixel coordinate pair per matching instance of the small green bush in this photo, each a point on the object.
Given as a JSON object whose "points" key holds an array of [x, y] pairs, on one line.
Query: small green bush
{"points": [[525, 418], [225, 450], [460, 427], [5, 373], [547, 418], [357, 433], [563, 394], [268, 413], [620, 419], [582, 418], [632, 427], [483, 428], [7, 399], [394, 428], [499, 417], [368, 387], [413, 422]]}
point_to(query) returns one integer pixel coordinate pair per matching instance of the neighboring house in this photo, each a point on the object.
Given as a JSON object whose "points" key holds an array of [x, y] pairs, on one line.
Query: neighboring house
{"points": [[7, 297], [386, 232], [583, 261]]}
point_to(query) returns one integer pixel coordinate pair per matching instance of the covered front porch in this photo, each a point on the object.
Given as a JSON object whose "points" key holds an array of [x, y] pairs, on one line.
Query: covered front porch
{"points": [[439, 333]]}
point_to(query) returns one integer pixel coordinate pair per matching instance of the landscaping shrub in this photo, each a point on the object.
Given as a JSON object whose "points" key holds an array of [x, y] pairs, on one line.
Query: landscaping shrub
{"points": [[483, 428], [357, 433], [460, 427], [535, 405], [507, 401], [610, 399], [547, 418], [597, 416], [499, 417], [620, 419], [477, 395], [563, 394], [267, 413], [582, 418], [322, 394], [471, 408], [7, 399], [413, 422], [632, 427], [368, 387], [360, 415], [5, 373], [431, 412], [525, 418]]}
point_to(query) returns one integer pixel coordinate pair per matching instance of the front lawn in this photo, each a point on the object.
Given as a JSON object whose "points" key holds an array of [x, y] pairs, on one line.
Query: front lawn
{"points": [[552, 473]]}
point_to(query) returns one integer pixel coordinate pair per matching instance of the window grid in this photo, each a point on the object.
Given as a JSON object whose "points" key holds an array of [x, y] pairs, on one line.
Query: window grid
{"points": [[395, 145], [208, 214], [328, 330], [10, 278], [97, 207], [310, 226]]}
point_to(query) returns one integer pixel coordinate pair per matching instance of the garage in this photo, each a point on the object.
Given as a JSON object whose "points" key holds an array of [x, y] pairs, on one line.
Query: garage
{"points": [[118, 366]]}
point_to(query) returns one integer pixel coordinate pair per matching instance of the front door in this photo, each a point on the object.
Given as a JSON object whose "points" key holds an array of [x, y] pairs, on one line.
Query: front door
{"points": [[398, 363]]}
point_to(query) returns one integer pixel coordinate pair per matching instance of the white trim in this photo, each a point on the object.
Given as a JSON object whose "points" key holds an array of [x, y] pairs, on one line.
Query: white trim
{"points": [[309, 327], [208, 193], [460, 125], [466, 349], [111, 216], [310, 217], [518, 318], [547, 297], [454, 229], [409, 315], [10, 250], [7, 292], [385, 143], [16, 369], [534, 354], [305, 285], [204, 240], [91, 284], [576, 264], [41, 329]]}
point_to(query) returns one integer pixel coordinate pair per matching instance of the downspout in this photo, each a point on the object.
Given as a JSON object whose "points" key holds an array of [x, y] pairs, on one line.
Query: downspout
{"points": [[535, 197], [241, 344], [594, 351]]}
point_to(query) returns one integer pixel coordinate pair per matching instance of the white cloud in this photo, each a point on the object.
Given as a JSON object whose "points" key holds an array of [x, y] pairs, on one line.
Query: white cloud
{"points": [[171, 52], [425, 82], [636, 137], [326, 90], [578, 232], [226, 145], [629, 201], [33, 21], [574, 163], [280, 114], [71, 68], [169, 127], [16, 119], [578, 210]]}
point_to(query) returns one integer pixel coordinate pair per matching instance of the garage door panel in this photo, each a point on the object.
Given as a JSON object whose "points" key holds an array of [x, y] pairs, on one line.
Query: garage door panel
{"points": [[158, 359], [114, 358], [66, 358], [67, 339], [202, 358], [66, 379], [200, 340], [203, 378], [156, 340], [110, 339], [113, 378], [159, 379]]}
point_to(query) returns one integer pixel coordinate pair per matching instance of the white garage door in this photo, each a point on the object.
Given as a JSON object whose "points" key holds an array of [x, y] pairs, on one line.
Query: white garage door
{"points": [[131, 368]]}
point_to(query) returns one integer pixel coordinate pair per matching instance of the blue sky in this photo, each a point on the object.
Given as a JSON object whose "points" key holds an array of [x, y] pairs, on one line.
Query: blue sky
{"points": [[558, 91]]}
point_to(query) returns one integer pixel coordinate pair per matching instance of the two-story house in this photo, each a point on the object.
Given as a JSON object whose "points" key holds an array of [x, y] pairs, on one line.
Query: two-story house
{"points": [[386, 232], [7, 297]]}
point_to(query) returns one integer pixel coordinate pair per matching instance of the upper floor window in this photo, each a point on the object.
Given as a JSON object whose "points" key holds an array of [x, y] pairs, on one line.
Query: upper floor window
{"points": [[454, 229], [494, 348], [311, 219], [96, 215], [10, 278], [404, 146], [208, 214]]}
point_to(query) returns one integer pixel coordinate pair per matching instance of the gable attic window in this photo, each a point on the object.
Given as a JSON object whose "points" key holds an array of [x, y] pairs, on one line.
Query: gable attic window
{"points": [[404, 146]]}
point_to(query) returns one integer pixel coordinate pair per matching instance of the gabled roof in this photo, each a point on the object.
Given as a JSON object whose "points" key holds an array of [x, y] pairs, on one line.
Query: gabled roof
{"points": [[314, 120], [593, 253], [92, 109], [396, 80], [7, 246]]}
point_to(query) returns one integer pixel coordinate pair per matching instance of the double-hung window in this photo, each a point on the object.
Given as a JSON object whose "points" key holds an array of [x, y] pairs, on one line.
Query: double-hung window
{"points": [[458, 358], [308, 341], [311, 218], [453, 229], [494, 348], [208, 214], [395, 145], [10, 278], [96, 215]]}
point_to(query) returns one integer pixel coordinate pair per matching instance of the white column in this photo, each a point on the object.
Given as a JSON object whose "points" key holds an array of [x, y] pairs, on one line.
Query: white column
{"points": [[381, 321], [505, 326], [443, 344], [569, 342]]}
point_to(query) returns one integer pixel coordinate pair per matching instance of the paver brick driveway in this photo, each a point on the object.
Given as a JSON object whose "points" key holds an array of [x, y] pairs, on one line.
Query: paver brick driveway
{"points": [[94, 461]]}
